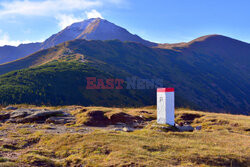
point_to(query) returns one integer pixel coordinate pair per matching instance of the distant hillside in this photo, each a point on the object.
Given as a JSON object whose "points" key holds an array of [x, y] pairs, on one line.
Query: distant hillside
{"points": [[10, 53], [228, 49], [206, 81], [91, 29]]}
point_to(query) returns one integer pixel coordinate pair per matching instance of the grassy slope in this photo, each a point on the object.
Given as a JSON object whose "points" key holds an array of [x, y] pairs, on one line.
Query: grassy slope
{"points": [[206, 82], [59, 52], [64, 83], [223, 141]]}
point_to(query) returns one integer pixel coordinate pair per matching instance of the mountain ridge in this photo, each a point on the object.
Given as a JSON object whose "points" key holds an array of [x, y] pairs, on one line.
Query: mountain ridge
{"points": [[90, 29], [209, 73], [206, 80], [10, 53], [199, 39]]}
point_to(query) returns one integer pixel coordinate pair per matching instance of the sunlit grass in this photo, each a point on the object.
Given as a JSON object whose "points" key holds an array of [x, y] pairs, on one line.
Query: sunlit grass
{"points": [[223, 141]]}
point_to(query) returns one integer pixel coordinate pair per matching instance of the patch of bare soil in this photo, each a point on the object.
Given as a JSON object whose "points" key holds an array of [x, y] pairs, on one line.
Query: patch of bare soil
{"points": [[189, 118]]}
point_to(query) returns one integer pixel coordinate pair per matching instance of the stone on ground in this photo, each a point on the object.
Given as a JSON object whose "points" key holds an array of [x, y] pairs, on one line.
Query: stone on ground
{"points": [[185, 128]]}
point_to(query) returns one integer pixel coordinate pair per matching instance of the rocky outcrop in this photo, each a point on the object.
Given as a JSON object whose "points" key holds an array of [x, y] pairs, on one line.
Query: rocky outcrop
{"points": [[10, 108], [37, 116], [61, 116], [21, 113], [60, 120], [4, 116]]}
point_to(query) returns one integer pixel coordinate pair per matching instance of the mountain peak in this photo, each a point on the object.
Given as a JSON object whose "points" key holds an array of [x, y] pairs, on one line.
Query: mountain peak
{"points": [[93, 29], [216, 39], [81, 24], [206, 37], [212, 37]]}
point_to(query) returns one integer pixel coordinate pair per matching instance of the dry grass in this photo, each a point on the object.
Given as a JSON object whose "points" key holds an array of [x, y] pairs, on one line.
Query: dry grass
{"points": [[223, 141]]}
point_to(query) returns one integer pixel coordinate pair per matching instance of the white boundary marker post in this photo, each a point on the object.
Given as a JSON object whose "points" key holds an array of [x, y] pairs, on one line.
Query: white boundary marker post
{"points": [[165, 106]]}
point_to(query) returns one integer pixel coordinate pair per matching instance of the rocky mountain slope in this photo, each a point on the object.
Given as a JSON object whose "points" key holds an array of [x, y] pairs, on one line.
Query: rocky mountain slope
{"points": [[93, 29]]}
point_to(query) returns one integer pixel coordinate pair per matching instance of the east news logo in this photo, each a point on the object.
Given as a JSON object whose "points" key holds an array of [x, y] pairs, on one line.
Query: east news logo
{"points": [[128, 83]]}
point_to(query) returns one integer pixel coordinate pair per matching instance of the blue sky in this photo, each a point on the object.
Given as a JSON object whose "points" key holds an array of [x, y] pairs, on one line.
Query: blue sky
{"points": [[164, 21]]}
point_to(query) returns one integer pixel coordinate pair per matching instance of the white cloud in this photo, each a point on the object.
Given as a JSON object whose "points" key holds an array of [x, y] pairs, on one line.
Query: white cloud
{"points": [[93, 14], [46, 7], [5, 40], [66, 20]]}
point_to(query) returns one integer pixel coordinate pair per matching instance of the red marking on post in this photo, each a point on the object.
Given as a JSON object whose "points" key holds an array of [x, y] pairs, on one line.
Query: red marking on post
{"points": [[165, 89]]}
